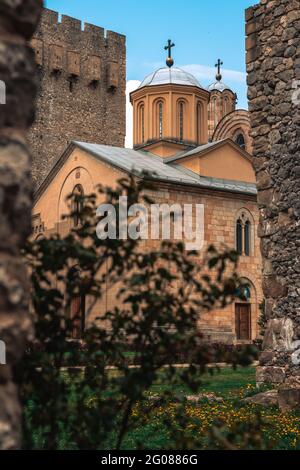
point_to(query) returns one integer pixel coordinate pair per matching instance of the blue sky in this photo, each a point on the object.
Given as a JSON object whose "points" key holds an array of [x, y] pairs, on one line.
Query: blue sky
{"points": [[202, 30]]}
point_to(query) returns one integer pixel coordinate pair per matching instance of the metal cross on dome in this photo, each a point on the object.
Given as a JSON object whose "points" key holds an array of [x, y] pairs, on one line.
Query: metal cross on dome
{"points": [[168, 48], [218, 65]]}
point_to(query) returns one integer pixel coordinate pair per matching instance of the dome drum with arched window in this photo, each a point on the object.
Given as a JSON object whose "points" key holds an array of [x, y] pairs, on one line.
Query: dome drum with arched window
{"points": [[170, 107], [172, 112]]}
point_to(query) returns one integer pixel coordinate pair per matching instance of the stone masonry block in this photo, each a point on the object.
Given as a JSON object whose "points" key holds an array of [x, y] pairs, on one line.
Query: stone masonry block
{"points": [[73, 60], [56, 58], [113, 75], [93, 71], [38, 47]]}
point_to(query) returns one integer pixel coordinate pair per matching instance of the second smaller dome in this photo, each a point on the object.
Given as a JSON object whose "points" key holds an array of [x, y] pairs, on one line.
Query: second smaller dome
{"points": [[219, 86]]}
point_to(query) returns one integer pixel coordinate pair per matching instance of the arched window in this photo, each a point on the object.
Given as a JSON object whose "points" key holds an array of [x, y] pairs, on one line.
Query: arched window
{"points": [[214, 106], [244, 233], [181, 120], [239, 236], [226, 107], [77, 204], [247, 238], [240, 140], [159, 119], [199, 109], [141, 124], [181, 111]]}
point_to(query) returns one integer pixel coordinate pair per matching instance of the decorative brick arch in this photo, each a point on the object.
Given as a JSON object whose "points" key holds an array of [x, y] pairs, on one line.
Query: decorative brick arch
{"points": [[232, 125], [78, 176]]}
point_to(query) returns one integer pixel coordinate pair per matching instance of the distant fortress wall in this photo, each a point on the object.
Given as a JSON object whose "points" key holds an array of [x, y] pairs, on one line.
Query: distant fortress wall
{"points": [[82, 83]]}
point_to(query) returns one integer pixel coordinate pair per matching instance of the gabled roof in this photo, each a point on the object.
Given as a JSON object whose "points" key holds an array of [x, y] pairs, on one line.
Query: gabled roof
{"points": [[136, 162], [203, 149]]}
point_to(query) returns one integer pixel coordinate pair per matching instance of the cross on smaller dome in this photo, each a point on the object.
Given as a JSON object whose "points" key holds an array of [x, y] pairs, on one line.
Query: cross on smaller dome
{"points": [[219, 85]]}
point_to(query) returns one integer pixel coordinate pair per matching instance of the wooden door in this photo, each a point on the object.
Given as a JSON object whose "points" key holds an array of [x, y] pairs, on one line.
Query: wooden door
{"points": [[243, 321], [77, 316]]}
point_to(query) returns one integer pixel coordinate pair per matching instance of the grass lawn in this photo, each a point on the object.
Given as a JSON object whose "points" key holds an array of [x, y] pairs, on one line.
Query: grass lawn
{"points": [[173, 424], [223, 382]]}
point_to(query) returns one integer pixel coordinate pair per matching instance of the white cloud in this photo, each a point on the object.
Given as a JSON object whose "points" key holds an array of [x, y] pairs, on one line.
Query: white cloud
{"points": [[203, 72], [130, 86]]}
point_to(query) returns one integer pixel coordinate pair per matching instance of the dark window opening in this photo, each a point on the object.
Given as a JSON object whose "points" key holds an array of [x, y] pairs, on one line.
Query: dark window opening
{"points": [[239, 237], [247, 238], [160, 119], [181, 121], [77, 208]]}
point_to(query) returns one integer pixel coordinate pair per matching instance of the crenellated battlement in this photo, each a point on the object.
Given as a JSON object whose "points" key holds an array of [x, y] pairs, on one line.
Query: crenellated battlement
{"points": [[66, 24]]}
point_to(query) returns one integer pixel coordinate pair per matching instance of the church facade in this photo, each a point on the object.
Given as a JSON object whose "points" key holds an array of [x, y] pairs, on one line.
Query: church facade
{"points": [[196, 149]]}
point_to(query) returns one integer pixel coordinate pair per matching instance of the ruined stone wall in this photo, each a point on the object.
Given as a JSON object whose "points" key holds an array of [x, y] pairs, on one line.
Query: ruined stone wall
{"points": [[82, 75], [273, 66], [17, 72]]}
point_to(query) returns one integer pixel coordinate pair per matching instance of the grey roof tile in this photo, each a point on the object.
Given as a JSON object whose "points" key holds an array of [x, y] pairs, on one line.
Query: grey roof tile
{"points": [[194, 151], [137, 162]]}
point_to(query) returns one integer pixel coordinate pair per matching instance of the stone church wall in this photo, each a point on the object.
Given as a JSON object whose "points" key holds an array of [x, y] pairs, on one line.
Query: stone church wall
{"points": [[82, 77], [221, 211], [273, 66]]}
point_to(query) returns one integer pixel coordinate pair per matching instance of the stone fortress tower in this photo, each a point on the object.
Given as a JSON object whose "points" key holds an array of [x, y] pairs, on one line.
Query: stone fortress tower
{"points": [[273, 66], [82, 82]]}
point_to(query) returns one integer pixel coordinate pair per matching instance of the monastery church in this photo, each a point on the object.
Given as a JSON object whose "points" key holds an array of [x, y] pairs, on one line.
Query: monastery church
{"points": [[196, 146]]}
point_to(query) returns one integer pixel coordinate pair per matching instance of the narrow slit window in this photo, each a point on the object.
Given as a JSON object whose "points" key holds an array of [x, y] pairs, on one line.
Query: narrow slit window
{"points": [[247, 238], [77, 208], [199, 123], [239, 237], [181, 121], [160, 120], [142, 124], [240, 140]]}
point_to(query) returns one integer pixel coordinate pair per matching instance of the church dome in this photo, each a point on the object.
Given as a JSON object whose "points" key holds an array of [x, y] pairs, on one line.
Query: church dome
{"points": [[219, 86], [167, 75]]}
